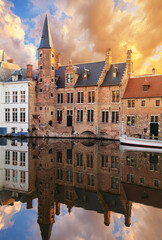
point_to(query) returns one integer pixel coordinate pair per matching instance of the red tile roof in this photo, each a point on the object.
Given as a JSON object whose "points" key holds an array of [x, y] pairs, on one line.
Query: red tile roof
{"points": [[135, 85]]}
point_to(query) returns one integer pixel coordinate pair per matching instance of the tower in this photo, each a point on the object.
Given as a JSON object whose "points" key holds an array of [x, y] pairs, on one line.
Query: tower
{"points": [[45, 89]]}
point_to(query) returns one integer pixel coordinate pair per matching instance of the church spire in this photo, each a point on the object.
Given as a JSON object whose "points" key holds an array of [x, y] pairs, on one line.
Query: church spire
{"points": [[46, 39]]}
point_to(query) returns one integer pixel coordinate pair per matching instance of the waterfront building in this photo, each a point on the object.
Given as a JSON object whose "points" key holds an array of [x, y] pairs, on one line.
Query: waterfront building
{"points": [[142, 105]]}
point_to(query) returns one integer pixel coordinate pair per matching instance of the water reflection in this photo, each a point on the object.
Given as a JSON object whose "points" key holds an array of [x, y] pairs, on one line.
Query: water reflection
{"points": [[82, 174]]}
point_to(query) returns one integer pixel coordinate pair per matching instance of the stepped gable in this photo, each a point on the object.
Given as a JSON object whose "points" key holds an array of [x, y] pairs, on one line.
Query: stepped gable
{"points": [[94, 72], [46, 39], [135, 85], [109, 80]]}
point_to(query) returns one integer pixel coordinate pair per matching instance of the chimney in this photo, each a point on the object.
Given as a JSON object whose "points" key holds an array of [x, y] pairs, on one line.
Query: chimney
{"points": [[108, 58], [29, 72], [153, 71], [10, 60], [129, 63], [57, 208], [107, 218], [58, 61], [29, 202]]}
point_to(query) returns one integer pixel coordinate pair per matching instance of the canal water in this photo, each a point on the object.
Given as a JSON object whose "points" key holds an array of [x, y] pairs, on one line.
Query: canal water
{"points": [[79, 190]]}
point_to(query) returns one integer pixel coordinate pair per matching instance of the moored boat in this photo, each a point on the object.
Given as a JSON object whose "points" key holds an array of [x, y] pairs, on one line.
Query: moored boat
{"points": [[140, 142]]}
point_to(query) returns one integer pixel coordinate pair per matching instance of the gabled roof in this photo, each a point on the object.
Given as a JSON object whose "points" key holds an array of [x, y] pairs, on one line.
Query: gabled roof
{"points": [[46, 39], [6, 69], [135, 85], [95, 70], [109, 80]]}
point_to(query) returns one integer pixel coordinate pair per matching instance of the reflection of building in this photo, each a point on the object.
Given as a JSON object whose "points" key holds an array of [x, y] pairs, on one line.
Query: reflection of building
{"points": [[93, 175]]}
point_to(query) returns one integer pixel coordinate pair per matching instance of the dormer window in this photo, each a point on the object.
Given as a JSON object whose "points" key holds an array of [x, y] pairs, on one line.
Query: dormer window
{"points": [[115, 72], [69, 78], [14, 77], [145, 88], [85, 75]]}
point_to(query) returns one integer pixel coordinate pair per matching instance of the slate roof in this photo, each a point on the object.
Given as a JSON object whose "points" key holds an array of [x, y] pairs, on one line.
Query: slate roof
{"points": [[109, 80], [6, 69], [22, 75], [95, 70], [134, 87], [46, 39]]}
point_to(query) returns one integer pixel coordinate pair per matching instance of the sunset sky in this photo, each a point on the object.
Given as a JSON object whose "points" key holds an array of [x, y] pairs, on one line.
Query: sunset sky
{"points": [[82, 30]]}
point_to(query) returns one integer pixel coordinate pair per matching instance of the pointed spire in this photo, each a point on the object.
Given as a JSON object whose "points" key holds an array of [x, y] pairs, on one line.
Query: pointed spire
{"points": [[46, 39]]}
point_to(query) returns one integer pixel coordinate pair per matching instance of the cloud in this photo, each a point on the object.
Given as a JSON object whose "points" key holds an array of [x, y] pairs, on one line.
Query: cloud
{"points": [[12, 36], [89, 28]]}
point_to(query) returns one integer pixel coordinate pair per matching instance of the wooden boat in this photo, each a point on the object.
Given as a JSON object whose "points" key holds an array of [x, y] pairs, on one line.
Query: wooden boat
{"points": [[129, 148], [140, 142]]}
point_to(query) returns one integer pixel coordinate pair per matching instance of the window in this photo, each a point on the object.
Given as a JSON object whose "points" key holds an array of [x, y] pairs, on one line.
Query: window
{"points": [[41, 80], [69, 78], [143, 103], [115, 96], [15, 176], [14, 158], [22, 159], [52, 68], [115, 117], [80, 97], [69, 156], [104, 161], [145, 88], [89, 160], [91, 97], [130, 120], [156, 183], [105, 116], [79, 115], [60, 98], [114, 72], [7, 115], [90, 178], [131, 103], [115, 183], [90, 116], [52, 80], [14, 96], [69, 97], [53, 55], [41, 67], [22, 177], [79, 159], [7, 157], [157, 103], [59, 116], [7, 97], [14, 114], [7, 174], [130, 178], [114, 161], [22, 114], [69, 176], [69, 195], [154, 119], [51, 113], [22, 96], [80, 177], [59, 157], [59, 174], [51, 94], [41, 55], [142, 180], [130, 161]]}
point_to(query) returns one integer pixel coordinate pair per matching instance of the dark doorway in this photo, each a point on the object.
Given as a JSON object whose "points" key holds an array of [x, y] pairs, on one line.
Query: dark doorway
{"points": [[69, 118], [154, 130], [50, 123]]}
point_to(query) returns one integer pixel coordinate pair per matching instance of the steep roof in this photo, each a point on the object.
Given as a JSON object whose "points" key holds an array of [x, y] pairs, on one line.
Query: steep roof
{"points": [[6, 69], [46, 39], [109, 80], [135, 85], [94, 72]]}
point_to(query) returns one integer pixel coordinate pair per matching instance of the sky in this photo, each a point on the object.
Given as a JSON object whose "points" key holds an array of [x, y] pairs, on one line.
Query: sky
{"points": [[17, 222], [82, 30]]}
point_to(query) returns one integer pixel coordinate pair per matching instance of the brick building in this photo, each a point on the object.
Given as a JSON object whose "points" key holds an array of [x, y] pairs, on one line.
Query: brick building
{"points": [[142, 105], [77, 99]]}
